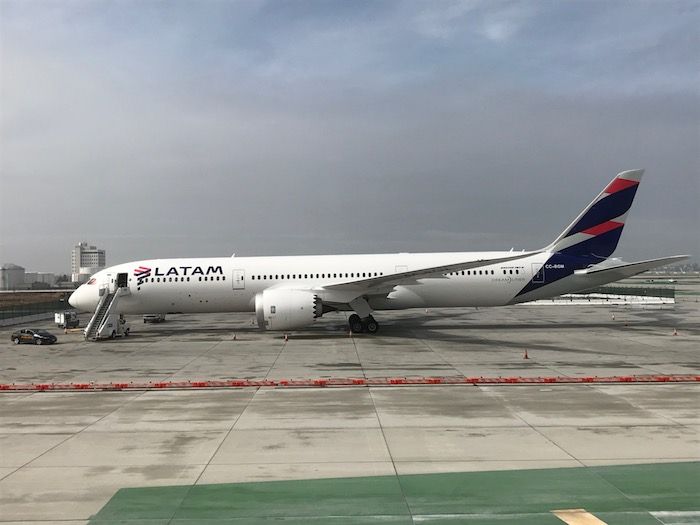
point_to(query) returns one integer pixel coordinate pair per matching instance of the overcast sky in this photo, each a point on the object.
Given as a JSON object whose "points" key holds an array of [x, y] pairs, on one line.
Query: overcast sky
{"points": [[165, 129]]}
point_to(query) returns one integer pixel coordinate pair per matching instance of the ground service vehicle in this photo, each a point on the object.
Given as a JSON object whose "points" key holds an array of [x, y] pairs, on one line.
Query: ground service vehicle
{"points": [[67, 319], [113, 326]]}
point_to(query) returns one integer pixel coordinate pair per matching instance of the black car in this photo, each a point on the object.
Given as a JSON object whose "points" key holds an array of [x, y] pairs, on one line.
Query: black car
{"points": [[37, 337], [153, 318]]}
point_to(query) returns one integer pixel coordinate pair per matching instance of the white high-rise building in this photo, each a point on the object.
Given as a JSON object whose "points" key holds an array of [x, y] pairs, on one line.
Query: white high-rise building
{"points": [[86, 260]]}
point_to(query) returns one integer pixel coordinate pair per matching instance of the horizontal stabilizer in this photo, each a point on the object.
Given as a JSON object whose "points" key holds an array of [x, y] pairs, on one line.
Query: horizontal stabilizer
{"points": [[622, 270]]}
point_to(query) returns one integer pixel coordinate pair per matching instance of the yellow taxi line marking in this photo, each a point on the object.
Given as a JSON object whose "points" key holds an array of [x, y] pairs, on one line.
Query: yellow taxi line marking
{"points": [[577, 517]]}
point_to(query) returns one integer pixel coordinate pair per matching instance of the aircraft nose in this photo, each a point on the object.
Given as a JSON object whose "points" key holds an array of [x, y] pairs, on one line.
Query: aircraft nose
{"points": [[73, 299], [77, 299]]}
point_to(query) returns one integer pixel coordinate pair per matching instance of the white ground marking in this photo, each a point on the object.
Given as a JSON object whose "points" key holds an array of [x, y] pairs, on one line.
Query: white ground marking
{"points": [[677, 517]]}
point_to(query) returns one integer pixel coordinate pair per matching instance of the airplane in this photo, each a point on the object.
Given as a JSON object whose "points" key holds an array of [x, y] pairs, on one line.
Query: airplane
{"points": [[292, 292]]}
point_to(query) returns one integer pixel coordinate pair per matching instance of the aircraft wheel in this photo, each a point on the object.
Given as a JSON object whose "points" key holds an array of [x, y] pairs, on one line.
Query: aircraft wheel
{"points": [[355, 323], [371, 326]]}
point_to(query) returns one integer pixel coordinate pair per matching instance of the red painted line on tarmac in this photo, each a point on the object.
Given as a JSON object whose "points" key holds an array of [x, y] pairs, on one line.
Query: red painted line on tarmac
{"points": [[347, 382]]}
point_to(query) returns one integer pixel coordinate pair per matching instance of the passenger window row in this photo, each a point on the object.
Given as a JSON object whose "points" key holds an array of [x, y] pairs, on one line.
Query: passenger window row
{"points": [[483, 272], [471, 272], [278, 277], [187, 279]]}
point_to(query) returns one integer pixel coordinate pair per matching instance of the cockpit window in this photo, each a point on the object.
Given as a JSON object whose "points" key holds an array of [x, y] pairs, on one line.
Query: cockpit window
{"points": [[91, 281]]}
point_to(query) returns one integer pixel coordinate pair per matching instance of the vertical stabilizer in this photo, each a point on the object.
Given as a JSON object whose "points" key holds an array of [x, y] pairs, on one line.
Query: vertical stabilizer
{"points": [[594, 234]]}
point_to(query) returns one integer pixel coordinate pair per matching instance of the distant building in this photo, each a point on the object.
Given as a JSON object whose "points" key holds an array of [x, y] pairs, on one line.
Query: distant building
{"points": [[43, 278], [86, 260], [11, 277]]}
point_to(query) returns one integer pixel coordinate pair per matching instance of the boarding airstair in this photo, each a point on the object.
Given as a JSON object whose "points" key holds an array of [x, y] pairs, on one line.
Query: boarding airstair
{"points": [[107, 321], [101, 313]]}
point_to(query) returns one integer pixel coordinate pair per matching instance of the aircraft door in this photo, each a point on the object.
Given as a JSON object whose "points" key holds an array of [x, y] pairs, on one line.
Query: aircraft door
{"points": [[122, 280], [239, 279], [537, 273]]}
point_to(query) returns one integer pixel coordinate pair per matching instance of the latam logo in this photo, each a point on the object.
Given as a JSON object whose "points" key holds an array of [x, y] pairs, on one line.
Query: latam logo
{"points": [[141, 273]]}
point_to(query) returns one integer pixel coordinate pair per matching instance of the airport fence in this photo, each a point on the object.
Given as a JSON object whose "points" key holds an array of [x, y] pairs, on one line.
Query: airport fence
{"points": [[642, 291], [27, 306], [25, 310]]}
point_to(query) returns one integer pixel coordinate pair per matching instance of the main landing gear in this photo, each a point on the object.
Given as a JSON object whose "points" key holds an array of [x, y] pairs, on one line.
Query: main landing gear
{"points": [[359, 325]]}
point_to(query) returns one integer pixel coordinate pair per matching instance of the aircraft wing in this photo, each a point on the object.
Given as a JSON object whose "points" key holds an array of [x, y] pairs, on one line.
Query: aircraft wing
{"points": [[621, 270], [387, 282]]}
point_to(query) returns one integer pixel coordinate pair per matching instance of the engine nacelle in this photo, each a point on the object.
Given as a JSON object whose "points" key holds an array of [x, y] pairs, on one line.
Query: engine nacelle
{"points": [[287, 309]]}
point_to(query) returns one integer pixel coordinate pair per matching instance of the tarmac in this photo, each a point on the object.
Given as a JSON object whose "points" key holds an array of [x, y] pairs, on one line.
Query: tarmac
{"points": [[88, 456]]}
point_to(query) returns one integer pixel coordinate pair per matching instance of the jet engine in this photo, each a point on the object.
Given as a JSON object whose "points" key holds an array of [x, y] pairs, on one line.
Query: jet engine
{"points": [[287, 309]]}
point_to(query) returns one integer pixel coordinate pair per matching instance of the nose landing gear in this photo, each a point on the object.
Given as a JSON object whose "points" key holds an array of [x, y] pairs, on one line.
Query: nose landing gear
{"points": [[358, 325]]}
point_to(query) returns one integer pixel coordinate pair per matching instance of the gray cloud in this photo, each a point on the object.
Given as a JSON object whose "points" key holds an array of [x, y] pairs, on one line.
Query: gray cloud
{"points": [[174, 129]]}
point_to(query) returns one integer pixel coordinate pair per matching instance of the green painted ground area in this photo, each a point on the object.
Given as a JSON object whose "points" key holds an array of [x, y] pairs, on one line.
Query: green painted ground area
{"points": [[619, 495]]}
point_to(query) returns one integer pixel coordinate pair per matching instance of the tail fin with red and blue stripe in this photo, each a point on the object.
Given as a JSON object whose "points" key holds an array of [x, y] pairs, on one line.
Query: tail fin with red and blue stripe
{"points": [[594, 234]]}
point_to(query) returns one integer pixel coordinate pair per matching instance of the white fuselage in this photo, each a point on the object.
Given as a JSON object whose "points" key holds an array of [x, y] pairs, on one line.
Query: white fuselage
{"points": [[230, 284]]}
